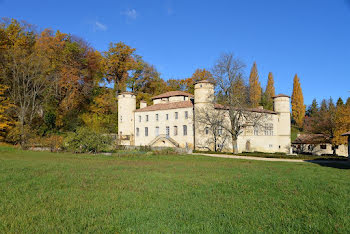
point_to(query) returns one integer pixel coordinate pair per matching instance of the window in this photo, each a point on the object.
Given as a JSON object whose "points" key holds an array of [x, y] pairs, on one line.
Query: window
{"points": [[268, 129], [121, 118], [256, 131], [220, 131], [206, 131], [186, 114], [323, 146], [167, 129], [185, 130], [146, 118], [167, 116], [137, 131], [139, 118], [270, 146], [176, 115], [146, 131], [175, 130], [157, 117], [157, 131]]}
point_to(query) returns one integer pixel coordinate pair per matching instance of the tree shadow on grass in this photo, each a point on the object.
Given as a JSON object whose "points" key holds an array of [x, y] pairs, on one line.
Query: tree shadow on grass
{"points": [[339, 164]]}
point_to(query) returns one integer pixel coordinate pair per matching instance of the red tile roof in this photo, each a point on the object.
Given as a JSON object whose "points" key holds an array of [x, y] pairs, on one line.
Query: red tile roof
{"points": [[280, 95], [222, 107], [166, 106], [172, 94], [311, 139]]}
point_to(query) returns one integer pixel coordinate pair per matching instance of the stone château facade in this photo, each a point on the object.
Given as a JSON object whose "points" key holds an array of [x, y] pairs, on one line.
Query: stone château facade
{"points": [[172, 121]]}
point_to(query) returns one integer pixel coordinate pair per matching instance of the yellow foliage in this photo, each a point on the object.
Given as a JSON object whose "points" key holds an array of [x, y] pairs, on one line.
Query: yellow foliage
{"points": [[298, 107], [342, 123], [5, 121], [254, 87]]}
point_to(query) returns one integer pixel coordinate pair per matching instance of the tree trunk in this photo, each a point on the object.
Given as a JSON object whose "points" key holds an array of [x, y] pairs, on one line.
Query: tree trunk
{"points": [[234, 145]]}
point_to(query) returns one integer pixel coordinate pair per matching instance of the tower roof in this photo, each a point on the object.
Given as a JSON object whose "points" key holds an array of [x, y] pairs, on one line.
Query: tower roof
{"points": [[172, 94], [281, 95], [126, 92], [204, 81]]}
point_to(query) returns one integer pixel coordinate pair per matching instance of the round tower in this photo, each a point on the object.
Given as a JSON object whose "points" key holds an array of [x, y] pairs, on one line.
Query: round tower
{"points": [[203, 92], [281, 105], [126, 108], [203, 103]]}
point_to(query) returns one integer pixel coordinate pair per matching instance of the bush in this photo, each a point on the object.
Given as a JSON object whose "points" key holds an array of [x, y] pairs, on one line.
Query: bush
{"points": [[54, 142], [84, 140], [165, 151]]}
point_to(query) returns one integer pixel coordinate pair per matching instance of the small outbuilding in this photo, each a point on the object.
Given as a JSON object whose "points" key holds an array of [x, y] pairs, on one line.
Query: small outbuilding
{"points": [[317, 144], [348, 135]]}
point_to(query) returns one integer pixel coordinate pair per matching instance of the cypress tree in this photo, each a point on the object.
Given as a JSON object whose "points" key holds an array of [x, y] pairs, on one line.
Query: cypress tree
{"points": [[313, 108], [269, 92], [340, 102], [298, 107], [254, 87]]}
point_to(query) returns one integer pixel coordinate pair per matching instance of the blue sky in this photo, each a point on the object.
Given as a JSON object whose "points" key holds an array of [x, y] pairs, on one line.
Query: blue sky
{"points": [[307, 37]]}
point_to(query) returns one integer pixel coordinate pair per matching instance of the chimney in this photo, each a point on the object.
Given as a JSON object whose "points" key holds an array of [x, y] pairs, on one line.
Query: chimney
{"points": [[260, 107], [143, 104]]}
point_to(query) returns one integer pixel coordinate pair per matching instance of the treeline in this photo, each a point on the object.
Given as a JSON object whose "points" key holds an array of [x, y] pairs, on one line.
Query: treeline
{"points": [[54, 82], [329, 119]]}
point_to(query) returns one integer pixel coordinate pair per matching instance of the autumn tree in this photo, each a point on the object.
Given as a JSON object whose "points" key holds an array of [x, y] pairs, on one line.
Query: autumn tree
{"points": [[101, 115], [298, 107], [175, 85], [5, 104], [119, 61], [342, 123], [267, 97], [254, 87], [24, 72]]}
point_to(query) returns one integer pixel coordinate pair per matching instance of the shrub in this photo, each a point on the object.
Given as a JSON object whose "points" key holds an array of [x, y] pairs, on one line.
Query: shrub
{"points": [[54, 142], [84, 140], [165, 151]]}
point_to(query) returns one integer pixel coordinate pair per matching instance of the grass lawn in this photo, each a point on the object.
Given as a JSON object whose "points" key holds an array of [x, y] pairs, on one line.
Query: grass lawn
{"points": [[48, 192]]}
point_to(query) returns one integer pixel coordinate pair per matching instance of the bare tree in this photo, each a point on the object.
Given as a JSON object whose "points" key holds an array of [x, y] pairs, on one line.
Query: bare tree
{"points": [[228, 73], [212, 120], [25, 75]]}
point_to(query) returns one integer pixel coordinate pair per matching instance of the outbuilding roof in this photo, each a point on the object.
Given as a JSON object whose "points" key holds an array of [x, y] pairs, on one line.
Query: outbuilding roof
{"points": [[311, 139], [346, 134], [172, 94]]}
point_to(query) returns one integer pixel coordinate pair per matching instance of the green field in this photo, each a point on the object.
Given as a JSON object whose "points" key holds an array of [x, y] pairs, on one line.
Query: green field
{"points": [[48, 192]]}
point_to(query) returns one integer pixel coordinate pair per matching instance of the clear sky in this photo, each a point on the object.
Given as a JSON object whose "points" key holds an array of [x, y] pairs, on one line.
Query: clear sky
{"points": [[307, 37]]}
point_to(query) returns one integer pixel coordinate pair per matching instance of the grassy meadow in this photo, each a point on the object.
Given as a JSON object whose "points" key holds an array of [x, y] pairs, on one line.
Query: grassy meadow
{"points": [[50, 192]]}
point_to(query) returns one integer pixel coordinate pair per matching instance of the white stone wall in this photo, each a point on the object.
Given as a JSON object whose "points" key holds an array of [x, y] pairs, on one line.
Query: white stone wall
{"points": [[318, 150], [162, 123], [126, 108]]}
